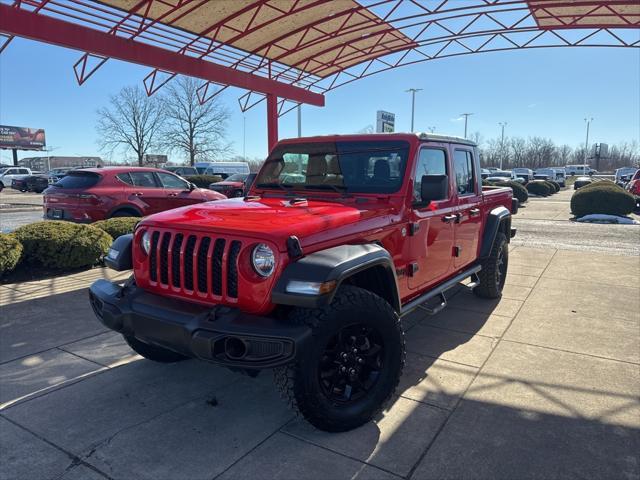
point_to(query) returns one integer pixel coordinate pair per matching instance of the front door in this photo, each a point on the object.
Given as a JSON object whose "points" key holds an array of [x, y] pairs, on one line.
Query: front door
{"points": [[177, 191], [469, 206], [431, 231]]}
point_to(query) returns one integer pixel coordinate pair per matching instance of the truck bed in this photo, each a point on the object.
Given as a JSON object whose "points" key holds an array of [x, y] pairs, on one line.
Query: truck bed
{"points": [[493, 197]]}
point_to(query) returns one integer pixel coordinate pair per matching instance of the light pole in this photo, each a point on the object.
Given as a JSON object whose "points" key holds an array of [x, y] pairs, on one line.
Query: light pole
{"points": [[586, 143], [431, 129], [502, 124], [299, 120], [466, 120], [413, 103], [244, 138]]}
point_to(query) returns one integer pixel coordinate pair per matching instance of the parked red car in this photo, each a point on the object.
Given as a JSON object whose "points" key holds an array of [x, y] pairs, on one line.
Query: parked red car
{"points": [[634, 184], [234, 186], [93, 194]]}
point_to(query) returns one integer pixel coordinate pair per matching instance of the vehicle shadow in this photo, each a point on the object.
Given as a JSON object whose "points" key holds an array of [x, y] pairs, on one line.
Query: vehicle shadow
{"points": [[192, 420]]}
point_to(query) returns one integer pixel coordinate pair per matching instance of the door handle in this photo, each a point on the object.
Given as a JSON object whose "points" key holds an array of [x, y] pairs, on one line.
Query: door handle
{"points": [[173, 195], [138, 194], [450, 218], [474, 212]]}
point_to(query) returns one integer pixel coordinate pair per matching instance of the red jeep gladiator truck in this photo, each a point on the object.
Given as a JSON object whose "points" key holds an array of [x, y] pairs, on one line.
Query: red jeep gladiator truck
{"points": [[311, 272]]}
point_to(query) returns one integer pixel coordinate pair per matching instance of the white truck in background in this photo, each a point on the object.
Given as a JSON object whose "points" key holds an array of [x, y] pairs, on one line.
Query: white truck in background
{"points": [[7, 174]]}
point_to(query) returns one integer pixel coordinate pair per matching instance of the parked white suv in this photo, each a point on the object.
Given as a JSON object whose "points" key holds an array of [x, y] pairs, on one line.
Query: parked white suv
{"points": [[7, 174]]}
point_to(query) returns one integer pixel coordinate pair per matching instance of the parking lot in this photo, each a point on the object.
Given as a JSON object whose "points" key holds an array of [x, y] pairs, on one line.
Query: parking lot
{"points": [[543, 383]]}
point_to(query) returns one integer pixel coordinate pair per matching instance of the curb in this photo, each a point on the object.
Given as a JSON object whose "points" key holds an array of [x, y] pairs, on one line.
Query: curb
{"points": [[20, 209]]}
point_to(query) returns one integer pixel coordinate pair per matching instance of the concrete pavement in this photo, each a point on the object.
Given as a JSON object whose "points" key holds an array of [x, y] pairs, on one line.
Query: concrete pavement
{"points": [[546, 223], [544, 383]]}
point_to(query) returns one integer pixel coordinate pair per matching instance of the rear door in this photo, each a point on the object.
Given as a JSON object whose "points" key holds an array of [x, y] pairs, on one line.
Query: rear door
{"points": [[431, 231], [146, 192], [468, 188]]}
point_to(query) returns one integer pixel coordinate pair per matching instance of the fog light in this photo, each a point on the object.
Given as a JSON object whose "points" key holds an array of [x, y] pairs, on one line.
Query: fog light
{"points": [[310, 288]]}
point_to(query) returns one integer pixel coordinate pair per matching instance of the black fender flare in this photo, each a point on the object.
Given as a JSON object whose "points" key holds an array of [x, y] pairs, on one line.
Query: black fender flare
{"points": [[335, 264], [498, 219]]}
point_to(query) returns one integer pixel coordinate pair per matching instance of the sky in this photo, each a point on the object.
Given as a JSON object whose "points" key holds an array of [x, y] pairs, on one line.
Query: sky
{"points": [[538, 92]]}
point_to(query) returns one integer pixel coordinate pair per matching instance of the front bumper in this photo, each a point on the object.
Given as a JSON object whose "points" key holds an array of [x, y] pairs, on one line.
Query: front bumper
{"points": [[221, 335]]}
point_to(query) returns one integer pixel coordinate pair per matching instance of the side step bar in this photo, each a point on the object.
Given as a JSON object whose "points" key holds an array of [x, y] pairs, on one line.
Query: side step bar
{"points": [[439, 291]]}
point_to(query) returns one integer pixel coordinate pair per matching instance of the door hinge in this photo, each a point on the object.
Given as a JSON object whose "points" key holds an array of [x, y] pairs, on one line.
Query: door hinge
{"points": [[457, 251], [413, 228]]}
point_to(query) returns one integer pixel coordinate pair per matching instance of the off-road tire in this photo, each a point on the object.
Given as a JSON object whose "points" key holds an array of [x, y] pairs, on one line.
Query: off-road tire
{"points": [[152, 352], [492, 276], [299, 383]]}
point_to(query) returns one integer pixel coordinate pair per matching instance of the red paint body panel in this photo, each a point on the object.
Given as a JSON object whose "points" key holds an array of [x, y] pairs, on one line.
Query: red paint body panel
{"points": [[326, 219], [109, 194]]}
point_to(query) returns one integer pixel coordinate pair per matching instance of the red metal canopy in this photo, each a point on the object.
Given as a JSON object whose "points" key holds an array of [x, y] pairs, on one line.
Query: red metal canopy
{"points": [[297, 50]]}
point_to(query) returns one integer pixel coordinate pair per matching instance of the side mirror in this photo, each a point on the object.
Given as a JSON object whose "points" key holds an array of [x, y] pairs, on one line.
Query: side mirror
{"points": [[192, 186], [434, 187]]}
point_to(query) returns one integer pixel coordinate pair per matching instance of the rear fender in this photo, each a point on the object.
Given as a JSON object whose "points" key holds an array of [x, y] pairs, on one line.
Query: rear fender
{"points": [[125, 206], [369, 266], [498, 220]]}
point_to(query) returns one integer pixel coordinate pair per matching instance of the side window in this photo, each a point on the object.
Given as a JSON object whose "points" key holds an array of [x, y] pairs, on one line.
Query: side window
{"points": [[431, 161], [463, 166], [143, 179], [171, 181], [12, 171], [124, 177], [24, 171]]}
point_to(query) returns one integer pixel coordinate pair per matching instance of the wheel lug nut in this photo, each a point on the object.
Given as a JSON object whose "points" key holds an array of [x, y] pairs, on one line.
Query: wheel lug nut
{"points": [[352, 371], [343, 369], [355, 350], [345, 356], [360, 360]]}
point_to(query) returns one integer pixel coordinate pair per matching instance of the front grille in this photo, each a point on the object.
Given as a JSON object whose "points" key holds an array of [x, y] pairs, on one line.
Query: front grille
{"points": [[195, 264]]}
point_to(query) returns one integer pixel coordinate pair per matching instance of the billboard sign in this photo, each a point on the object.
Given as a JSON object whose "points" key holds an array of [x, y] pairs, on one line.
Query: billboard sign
{"points": [[385, 122], [22, 138]]}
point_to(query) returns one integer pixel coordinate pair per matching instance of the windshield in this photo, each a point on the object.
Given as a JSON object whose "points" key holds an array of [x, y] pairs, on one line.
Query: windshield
{"points": [[502, 174], [238, 177], [357, 167], [3, 170]]}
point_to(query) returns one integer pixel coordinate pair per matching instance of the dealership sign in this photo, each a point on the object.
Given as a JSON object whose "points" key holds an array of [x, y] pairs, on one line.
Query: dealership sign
{"points": [[21, 138], [385, 122]]}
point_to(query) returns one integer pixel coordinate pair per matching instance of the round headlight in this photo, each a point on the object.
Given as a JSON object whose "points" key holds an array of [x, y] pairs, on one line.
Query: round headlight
{"points": [[146, 242], [263, 259]]}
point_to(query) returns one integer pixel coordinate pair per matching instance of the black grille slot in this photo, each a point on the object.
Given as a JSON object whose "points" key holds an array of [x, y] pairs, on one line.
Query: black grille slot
{"points": [[153, 257], [175, 260], [188, 262], [202, 264], [164, 259], [232, 269], [216, 263]]}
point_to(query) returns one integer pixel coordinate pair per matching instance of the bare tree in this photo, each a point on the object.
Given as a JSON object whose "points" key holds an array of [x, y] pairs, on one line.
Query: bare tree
{"points": [[196, 130], [518, 151], [131, 123]]}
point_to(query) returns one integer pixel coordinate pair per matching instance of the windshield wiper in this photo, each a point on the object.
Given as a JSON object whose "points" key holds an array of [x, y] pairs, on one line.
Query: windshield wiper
{"points": [[326, 186], [283, 186]]}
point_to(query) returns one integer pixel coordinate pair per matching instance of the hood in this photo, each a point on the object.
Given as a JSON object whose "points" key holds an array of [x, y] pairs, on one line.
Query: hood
{"points": [[227, 183], [273, 218]]}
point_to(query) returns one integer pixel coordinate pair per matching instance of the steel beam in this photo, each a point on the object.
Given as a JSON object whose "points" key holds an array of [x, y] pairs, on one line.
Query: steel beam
{"points": [[14, 21], [272, 121]]}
